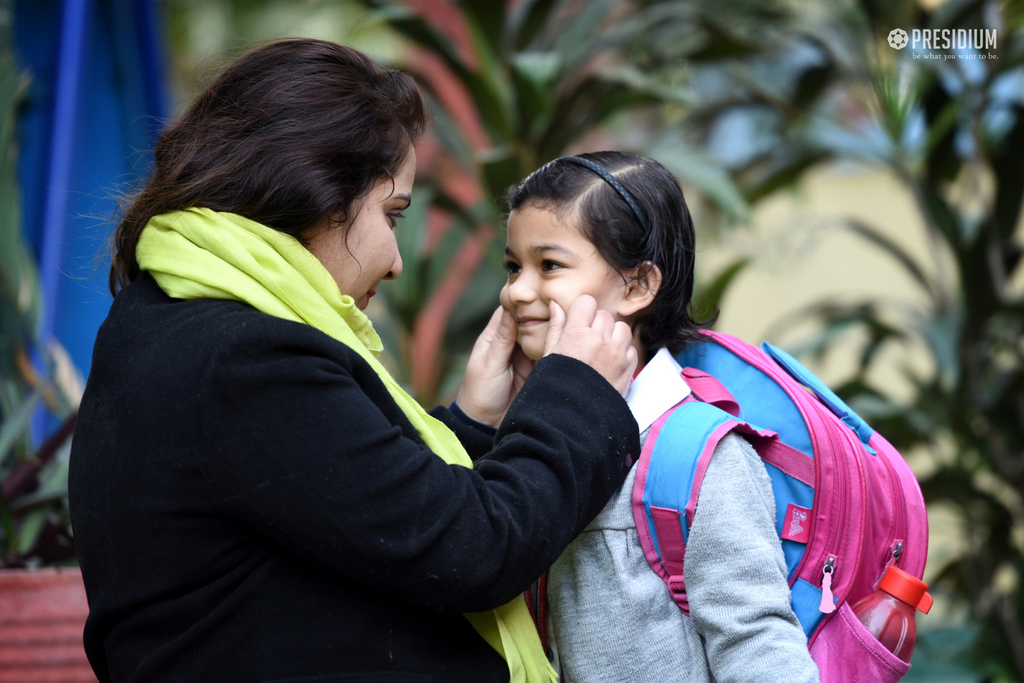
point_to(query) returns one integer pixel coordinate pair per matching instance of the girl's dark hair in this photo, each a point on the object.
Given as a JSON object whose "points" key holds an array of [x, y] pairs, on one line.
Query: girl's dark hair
{"points": [[577, 193], [289, 135]]}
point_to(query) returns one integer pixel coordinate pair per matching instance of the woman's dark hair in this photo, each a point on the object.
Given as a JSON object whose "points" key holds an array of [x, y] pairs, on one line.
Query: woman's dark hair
{"points": [[289, 135], [580, 194]]}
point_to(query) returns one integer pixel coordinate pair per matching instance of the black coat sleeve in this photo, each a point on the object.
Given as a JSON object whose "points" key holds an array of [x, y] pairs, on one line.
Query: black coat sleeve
{"points": [[476, 442], [305, 446]]}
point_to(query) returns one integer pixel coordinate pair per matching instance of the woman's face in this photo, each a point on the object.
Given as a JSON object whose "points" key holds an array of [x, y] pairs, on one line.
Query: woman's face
{"points": [[363, 252], [550, 260]]}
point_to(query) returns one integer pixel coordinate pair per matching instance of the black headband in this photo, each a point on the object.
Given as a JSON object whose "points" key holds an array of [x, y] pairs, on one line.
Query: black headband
{"points": [[614, 182]]}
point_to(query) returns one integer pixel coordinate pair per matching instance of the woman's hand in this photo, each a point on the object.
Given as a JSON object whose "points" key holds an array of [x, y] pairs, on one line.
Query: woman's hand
{"points": [[495, 372], [594, 337]]}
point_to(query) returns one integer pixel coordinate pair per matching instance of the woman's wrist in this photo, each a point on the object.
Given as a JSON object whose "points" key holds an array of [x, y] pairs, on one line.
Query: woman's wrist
{"points": [[466, 419]]}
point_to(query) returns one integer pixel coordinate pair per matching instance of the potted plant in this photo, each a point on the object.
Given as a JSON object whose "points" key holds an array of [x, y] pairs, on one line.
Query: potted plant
{"points": [[42, 594]]}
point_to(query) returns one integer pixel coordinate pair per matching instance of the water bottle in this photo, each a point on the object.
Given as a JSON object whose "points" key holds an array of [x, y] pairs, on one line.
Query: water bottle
{"points": [[888, 613]]}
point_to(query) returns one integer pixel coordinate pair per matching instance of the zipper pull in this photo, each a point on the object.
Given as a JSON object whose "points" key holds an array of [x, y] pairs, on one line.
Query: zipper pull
{"points": [[895, 552], [827, 605]]}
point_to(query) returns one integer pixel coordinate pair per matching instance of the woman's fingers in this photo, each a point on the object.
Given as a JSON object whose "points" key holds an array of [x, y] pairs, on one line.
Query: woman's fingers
{"points": [[556, 323], [503, 342], [487, 336], [594, 337]]}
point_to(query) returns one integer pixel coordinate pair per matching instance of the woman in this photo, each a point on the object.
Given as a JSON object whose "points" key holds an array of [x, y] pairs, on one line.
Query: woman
{"points": [[253, 497]]}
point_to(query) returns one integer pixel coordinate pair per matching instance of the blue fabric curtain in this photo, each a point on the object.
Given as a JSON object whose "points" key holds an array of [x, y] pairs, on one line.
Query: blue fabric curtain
{"points": [[95, 106]]}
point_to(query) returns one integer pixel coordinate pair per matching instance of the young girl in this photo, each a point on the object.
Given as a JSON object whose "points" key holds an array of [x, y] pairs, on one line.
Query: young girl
{"points": [[615, 226]]}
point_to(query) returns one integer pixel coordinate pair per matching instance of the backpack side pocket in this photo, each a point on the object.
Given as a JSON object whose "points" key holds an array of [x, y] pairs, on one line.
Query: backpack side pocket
{"points": [[845, 652]]}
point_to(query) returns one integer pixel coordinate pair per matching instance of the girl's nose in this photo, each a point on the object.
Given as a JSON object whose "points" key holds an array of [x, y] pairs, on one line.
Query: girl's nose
{"points": [[521, 291]]}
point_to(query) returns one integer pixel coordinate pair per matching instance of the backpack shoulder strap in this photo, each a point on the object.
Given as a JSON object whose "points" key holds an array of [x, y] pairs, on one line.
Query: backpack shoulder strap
{"points": [[670, 471]]}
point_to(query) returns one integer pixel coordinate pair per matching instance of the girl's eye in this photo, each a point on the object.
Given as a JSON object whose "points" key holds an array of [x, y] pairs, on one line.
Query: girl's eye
{"points": [[511, 267], [551, 265], [393, 218]]}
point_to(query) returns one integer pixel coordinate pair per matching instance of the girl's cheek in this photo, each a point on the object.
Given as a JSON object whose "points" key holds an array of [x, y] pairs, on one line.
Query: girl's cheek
{"points": [[563, 299], [503, 298]]}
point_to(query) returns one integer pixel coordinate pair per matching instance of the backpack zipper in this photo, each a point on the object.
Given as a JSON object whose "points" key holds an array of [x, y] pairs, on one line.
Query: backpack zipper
{"points": [[841, 472], [896, 553], [828, 604], [832, 544]]}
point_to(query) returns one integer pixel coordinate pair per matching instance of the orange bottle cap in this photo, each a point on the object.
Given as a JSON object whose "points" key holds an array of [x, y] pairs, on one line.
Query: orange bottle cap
{"points": [[907, 588]]}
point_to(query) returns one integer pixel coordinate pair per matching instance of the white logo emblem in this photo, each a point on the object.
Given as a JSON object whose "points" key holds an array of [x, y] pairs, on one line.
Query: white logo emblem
{"points": [[794, 526], [898, 38]]}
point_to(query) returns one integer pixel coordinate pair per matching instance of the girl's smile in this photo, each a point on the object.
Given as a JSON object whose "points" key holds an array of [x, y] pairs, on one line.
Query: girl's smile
{"points": [[549, 259]]}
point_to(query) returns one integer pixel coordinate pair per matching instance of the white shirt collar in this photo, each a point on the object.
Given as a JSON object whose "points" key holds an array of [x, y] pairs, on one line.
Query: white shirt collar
{"points": [[658, 387]]}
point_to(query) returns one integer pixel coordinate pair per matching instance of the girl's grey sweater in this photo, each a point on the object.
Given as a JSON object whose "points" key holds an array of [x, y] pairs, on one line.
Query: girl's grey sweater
{"points": [[612, 617]]}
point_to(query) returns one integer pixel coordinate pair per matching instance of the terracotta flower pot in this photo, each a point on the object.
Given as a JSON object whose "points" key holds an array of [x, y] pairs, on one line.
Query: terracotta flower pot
{"points": [[42, 613]]}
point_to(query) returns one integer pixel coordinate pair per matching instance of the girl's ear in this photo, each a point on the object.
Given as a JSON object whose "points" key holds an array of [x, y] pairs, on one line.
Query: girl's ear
{"points": [[642, 287]]}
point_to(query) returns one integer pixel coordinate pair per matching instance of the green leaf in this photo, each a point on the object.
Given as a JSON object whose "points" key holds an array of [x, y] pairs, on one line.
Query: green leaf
{"points": [[404, 294], [1008, 167], [534, 77], [706, 302], [539, 71], [414, 27], [492, 76], [639, 81], [576, 41], [19, 286], [724, 44], [8, 535], [834, 320], [32, 524], [501, 170], [475, 307], [488, 17], [812, 83], [20, 297], [944, 338], [700, 170], [528, 18], [894, 104], [886, 244], [939, 153], [16, 424], [592, 102], [780, 172], [449, 134], [867, 142], [444, 254], [53, 483], [940, 214], [487, 91]]}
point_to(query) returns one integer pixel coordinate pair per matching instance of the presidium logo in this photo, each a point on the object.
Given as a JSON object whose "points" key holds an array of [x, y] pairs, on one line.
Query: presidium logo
{"points": [[973, 43], [898, 38]]}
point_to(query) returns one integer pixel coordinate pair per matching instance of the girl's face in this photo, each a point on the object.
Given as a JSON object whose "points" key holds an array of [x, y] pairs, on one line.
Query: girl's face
{"points": [[362, 253], [550, 260]]}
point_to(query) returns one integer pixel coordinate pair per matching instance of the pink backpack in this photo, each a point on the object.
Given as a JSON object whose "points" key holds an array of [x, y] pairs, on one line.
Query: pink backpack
{"points": [[847, 504]]}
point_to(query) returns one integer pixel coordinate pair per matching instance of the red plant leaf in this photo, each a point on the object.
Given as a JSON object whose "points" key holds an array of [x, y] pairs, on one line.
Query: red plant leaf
{"points": [[428, 330]]}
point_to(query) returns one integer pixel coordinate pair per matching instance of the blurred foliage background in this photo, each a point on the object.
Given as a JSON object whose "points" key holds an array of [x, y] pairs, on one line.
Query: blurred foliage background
{"points": [[744, 101], [34, 520]]}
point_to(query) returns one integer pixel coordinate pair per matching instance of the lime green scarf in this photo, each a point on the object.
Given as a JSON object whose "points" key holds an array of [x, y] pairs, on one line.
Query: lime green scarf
{"points": [[204, 254]]}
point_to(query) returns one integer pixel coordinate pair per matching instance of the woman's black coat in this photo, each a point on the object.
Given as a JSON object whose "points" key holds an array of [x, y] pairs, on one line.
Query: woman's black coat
{"points": [[249, 504]]}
